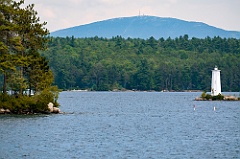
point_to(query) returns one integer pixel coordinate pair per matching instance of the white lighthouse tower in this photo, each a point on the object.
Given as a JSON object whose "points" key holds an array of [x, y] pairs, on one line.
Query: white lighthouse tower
{"points": [[216, 82]]}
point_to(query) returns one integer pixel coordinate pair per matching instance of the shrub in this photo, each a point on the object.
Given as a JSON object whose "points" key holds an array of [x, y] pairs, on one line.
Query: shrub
{"points": [[203, 95], [23, 104], [218, 97], [208, 96]]}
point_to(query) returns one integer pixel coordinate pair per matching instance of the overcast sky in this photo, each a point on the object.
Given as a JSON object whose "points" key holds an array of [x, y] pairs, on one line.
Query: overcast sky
{"points": [[60, 14]]}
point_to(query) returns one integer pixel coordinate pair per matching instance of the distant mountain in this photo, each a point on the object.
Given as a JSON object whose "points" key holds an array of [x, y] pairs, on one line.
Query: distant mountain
{"points": [[145, 27]]}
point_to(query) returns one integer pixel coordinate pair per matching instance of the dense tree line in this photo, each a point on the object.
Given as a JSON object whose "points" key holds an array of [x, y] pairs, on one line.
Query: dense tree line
{"points": [[151, 64], [23, 71]]}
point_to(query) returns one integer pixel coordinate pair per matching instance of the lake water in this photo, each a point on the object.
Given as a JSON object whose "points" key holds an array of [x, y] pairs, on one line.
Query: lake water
{"points": [[125, 125]]}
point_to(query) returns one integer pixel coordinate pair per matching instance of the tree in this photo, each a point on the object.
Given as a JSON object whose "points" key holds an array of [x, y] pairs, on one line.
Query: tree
{"points": [[9, 39], [98, 74], [143, 77], [32, 35], [39, 73], [22, 36]]}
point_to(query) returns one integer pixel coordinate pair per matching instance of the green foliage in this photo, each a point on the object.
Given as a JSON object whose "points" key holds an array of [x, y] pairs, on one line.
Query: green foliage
{"points": [[42, 100], [218, 97], [208, 96], [204, 94], [23, 104], [22, 68], [151, 64], [16, 82]]}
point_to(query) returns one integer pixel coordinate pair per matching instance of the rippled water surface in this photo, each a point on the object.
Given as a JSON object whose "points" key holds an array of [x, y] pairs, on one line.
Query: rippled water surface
{"points": [[125, 125]]}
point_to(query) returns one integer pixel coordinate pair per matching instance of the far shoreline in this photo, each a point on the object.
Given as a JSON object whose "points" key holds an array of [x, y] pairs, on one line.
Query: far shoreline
{"points": [[126, 90]]}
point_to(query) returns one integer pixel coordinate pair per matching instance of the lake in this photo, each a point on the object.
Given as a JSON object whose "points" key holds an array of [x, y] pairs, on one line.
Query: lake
{"points": [[125, 125]]}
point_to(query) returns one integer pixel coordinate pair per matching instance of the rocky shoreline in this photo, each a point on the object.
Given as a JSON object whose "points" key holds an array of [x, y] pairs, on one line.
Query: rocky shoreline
{"points": [[51, 109], [5, 111], [226, 98]]}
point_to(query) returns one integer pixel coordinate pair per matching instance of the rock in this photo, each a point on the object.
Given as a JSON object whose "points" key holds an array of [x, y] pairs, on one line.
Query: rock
{"points": [[7, 111], [50, 107], [56, 110], [200, 99], [53, 109], [230, 98], [2, 111]]}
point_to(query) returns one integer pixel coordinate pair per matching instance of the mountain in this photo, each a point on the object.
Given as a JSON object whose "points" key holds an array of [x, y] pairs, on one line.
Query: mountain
{"points": [[145, 27]]}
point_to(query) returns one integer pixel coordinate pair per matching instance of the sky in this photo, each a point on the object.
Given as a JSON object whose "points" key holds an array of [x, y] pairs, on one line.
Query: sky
{"points": [[61, 14]]}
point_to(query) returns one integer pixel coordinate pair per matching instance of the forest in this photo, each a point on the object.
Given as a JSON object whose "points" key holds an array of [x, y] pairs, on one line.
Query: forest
{"points": [[179, 64]]}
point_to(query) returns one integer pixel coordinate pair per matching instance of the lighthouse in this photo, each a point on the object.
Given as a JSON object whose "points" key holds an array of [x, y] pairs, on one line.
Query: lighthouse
{"points": [[216, 82]]}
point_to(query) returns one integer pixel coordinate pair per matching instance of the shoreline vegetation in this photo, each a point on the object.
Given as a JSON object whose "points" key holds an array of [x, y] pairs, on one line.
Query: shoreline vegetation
{"points": [[182, 63], [219, 97], [44, 102], [22, 69], [128, 90]]}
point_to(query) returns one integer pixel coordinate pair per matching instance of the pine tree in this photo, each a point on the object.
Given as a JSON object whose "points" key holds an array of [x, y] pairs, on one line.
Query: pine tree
{"points": [[9, 39], [22, 36]]}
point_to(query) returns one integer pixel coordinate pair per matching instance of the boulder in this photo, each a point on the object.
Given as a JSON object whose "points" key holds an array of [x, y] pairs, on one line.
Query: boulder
{"points": [[2, 111], [53, 109], [7, 111], [56, 110], [50, 107], [198, 99], [230, 98]]}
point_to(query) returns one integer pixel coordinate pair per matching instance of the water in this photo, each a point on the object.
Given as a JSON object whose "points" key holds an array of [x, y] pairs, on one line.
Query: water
{"points": [[108, 125]]}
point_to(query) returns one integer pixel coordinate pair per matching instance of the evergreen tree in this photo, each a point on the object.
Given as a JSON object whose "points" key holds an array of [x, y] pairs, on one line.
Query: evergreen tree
{"points": [[9, 40], [22, 36]]}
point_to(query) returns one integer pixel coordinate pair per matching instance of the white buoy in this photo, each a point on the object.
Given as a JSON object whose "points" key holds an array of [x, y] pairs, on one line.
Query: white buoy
{"points": [[194, 107], [214, 108], [216, 82]]}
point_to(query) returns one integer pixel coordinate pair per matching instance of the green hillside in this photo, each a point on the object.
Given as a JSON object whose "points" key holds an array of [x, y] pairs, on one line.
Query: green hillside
{"points": [[163, 64]]}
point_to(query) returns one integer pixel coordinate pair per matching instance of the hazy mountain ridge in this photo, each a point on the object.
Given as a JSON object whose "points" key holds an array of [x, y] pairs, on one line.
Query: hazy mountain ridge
{"points": [[145, 27]]}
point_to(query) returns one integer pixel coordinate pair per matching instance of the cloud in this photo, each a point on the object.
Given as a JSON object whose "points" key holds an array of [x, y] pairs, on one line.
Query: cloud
{"points": [[48, 11]]}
